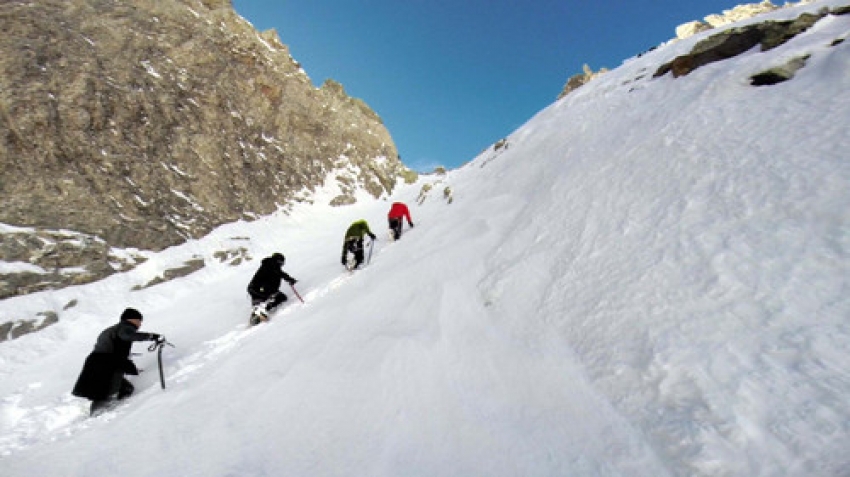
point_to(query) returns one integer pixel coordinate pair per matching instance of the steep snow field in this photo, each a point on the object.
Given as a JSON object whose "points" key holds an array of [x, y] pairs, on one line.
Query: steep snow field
{"points": [[651, 279]]}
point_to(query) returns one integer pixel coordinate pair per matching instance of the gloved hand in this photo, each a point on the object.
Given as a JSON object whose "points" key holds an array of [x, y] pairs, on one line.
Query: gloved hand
{"points": [[292, 281], [373, 237], [410, 224], [155, 337]]}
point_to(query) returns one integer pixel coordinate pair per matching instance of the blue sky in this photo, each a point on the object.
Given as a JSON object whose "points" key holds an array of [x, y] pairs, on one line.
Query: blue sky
{"points": [[449, 78]]}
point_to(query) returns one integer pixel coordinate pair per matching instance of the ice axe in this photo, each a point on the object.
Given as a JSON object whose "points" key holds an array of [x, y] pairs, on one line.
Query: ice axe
{"points": [[296, 292], [157, 346]]}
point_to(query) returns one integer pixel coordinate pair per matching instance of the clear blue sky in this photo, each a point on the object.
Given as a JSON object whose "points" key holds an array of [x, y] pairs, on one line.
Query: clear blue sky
{"points": [[449, 78]]}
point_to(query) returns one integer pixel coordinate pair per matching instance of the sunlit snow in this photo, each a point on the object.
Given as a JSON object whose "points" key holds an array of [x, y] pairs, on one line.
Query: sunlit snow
{"points": [[649, 279]]}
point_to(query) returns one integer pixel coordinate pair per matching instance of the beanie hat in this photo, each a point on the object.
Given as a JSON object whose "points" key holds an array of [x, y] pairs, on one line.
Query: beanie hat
{"points": [[278, 257], [131, 314]]}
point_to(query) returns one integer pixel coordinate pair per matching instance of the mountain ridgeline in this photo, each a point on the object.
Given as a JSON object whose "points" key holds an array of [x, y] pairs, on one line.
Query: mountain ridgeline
{"points": [[731, 42], [141, 124]]}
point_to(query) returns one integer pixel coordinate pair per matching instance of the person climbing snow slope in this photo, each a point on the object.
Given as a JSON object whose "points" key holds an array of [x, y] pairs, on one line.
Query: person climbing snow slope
{"points": [[102, 378], [398, 212], [353, 243], [264, 287]]}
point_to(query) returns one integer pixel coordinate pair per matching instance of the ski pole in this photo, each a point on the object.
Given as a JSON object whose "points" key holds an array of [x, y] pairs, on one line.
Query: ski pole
{"points": [[296, 292]]}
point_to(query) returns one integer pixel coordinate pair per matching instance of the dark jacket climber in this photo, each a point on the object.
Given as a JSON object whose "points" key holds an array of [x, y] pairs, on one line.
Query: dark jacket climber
{"points": [[265, 286], [102, 379]]}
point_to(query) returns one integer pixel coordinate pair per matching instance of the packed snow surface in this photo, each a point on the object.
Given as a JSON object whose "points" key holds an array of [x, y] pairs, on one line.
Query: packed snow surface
{"points": [[649, 279]]}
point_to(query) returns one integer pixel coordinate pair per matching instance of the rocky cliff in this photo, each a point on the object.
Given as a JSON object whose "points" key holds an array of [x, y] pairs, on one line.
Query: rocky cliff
{"points": [[141, 123]]}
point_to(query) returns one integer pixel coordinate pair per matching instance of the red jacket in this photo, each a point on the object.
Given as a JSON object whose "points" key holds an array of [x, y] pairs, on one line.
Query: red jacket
{"points": [[398, 211]]}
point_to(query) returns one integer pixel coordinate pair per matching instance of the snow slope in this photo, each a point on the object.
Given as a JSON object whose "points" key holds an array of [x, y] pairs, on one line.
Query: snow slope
{"points": [[650, 280]]}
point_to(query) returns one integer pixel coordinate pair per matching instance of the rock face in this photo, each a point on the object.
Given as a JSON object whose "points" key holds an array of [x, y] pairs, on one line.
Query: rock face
{"points": [[740, 12], [143, 123], [43, 259], [734, 41]]}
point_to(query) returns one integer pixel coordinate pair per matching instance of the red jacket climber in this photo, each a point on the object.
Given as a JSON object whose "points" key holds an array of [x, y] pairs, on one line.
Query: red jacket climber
{"points": [[398, 212]]}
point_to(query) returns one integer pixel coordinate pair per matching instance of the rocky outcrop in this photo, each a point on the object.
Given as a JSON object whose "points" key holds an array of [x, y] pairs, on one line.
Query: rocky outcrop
{"points": [[734, 41], [142, 123], [779, 73], [745, 11], [580, 80], [37, 259], [740, 12], [14, 329], [687, 30]]}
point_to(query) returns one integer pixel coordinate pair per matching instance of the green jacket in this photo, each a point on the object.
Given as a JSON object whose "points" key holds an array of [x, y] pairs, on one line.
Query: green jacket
{"points": [[358, 229], [355, 232]]}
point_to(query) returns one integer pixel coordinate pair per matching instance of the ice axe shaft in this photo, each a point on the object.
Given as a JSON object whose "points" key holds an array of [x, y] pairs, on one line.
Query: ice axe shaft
{"points": [[158, 347], [296, 292]]}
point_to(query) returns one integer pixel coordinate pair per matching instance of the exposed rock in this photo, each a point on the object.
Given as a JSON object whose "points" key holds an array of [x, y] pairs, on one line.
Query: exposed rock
{"points": [[233, 257], [142, 123], [41, 259], [736, 14], [423, 193], [187, 268], [735, 41], [844, 10], [580, 80], [779, 73], [428, 187], [740, 12], [490, 154], [447, 195], [690, 29], [15, 329]]}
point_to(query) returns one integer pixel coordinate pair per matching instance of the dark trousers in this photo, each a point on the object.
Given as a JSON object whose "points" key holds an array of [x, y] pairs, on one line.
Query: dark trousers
{"points": [[355, 246], [120, 389], [272, 301], [396, 225]]}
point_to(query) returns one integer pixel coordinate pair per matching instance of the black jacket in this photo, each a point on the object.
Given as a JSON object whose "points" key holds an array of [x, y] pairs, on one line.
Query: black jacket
{"points": [[267, 280], [110, 356]]}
